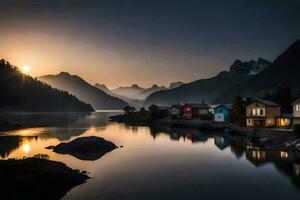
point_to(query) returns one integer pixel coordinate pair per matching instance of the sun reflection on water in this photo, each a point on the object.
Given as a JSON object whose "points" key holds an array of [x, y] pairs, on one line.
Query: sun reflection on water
{"points": [[26, 147]]}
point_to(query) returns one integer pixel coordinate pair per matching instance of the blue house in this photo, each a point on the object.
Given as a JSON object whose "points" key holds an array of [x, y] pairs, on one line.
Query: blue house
{"points": [[221, 113]]}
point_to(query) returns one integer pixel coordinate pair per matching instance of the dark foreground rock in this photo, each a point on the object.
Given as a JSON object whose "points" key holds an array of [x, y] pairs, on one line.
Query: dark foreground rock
{"points": [[86, 148], [35, 178]]}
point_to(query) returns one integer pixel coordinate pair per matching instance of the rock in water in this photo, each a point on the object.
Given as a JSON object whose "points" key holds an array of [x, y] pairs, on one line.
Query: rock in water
{"points": [[86, 148]]}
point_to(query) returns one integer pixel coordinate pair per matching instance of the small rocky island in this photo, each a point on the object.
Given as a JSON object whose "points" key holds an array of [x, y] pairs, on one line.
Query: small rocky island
{"points": [[85, 148], [36, 178]]}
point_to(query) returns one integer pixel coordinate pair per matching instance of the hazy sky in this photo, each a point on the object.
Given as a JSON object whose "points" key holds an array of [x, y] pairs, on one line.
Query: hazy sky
{"points": [[145, 42]]}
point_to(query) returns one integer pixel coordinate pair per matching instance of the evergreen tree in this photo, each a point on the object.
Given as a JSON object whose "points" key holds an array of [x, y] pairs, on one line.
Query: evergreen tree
{"points": [[238, 110], [20, 92], [282, 97]]}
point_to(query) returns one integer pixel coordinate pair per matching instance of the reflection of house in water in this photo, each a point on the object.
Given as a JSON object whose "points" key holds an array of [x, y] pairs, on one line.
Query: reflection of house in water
{"points": [[259, 157], [197, 137], [296, 169], [177, 133], [283, 161], [221, 142]]}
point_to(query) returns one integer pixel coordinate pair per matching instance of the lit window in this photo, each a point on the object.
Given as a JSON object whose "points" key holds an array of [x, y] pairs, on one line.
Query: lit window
{"points": [[253, 111], [297, 107]]}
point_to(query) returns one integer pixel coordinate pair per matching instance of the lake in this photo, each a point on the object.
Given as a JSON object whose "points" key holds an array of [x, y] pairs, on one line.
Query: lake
{"points": [[159, 163]]}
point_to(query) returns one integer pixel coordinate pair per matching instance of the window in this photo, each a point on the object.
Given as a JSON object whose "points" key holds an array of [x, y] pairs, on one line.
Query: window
{"points": [[261, 111], [249, 122], [297, 107], [258, 111]]}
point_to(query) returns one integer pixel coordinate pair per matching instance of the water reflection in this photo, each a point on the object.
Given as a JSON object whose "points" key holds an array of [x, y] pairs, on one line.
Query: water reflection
{"points": [[186, 163], [221, 142], [8, 144]]}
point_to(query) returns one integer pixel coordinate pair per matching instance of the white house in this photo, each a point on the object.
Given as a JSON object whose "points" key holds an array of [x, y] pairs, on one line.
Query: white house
{"points": [[296, 112]]}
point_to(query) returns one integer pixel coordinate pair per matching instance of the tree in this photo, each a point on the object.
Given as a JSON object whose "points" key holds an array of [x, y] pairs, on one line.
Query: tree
{"points": [[282, 97], [129, 109], [238, 110], [143, 110]]}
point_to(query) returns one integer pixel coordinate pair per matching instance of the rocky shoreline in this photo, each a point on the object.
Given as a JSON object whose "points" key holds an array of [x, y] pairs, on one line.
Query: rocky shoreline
{"points": [[37, 178]]}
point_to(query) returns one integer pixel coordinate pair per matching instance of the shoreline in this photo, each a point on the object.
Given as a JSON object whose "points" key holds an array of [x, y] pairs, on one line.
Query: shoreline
{"points": [[257, 138]]}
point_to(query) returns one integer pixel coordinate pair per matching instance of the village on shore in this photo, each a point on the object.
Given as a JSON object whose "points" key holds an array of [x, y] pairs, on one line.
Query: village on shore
{"points": [[254, 113]]}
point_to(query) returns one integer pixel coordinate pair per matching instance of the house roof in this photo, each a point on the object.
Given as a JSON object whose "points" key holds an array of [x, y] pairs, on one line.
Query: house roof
{"points": [[266, 102], [224, 106], [198, 105], [162, 107], [296, 102], [177, 106]]}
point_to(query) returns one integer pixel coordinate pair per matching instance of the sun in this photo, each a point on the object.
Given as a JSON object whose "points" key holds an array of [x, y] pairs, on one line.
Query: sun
{"points": [[26, 69]]}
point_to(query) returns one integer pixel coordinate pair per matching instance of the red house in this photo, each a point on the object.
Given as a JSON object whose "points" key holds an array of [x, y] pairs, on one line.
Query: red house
{"points": [[194, 110]]}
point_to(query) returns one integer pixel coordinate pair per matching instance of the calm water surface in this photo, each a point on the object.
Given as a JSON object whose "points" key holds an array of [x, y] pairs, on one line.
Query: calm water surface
{"points": [[160, 164]]}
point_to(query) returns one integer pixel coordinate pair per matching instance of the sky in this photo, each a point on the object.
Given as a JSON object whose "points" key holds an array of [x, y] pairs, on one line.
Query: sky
{"points": [[122, 42]]}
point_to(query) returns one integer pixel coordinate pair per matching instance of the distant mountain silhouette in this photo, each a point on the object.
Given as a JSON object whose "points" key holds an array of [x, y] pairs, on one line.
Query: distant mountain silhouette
{"points": [[144, 94], [133, 102], [211, 88], [285, 71], [175, 84], [83, 90], [249, 67], [20, 92], [135, 94], [103, 88], [130, 92]]}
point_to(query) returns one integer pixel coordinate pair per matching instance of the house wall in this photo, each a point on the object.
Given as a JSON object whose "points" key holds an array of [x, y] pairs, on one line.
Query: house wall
{"points": [[249, 122], [296, 120], [203, 111], [264, 122], [270, 121], [296, 110], [187, 115], [219, 117], [195, 112], [282, 122], [273, 111], [221, 111], [268, 111], [174, 111], [255, 105]]}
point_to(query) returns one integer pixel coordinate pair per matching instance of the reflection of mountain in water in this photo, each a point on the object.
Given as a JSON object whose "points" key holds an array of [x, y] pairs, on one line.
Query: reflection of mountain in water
{"points": [[57, 119], [8, 144], [62, 134]]}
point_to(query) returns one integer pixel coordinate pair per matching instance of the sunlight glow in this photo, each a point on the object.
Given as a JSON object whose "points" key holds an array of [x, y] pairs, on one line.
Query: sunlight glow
{"points": [[26, 69], [26, 148]]}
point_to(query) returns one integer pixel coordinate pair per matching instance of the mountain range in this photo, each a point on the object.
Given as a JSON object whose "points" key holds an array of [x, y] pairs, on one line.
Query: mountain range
{"points": [[135, 93], [283, 72], [83, 90], [247, 79], [20, 92]]}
